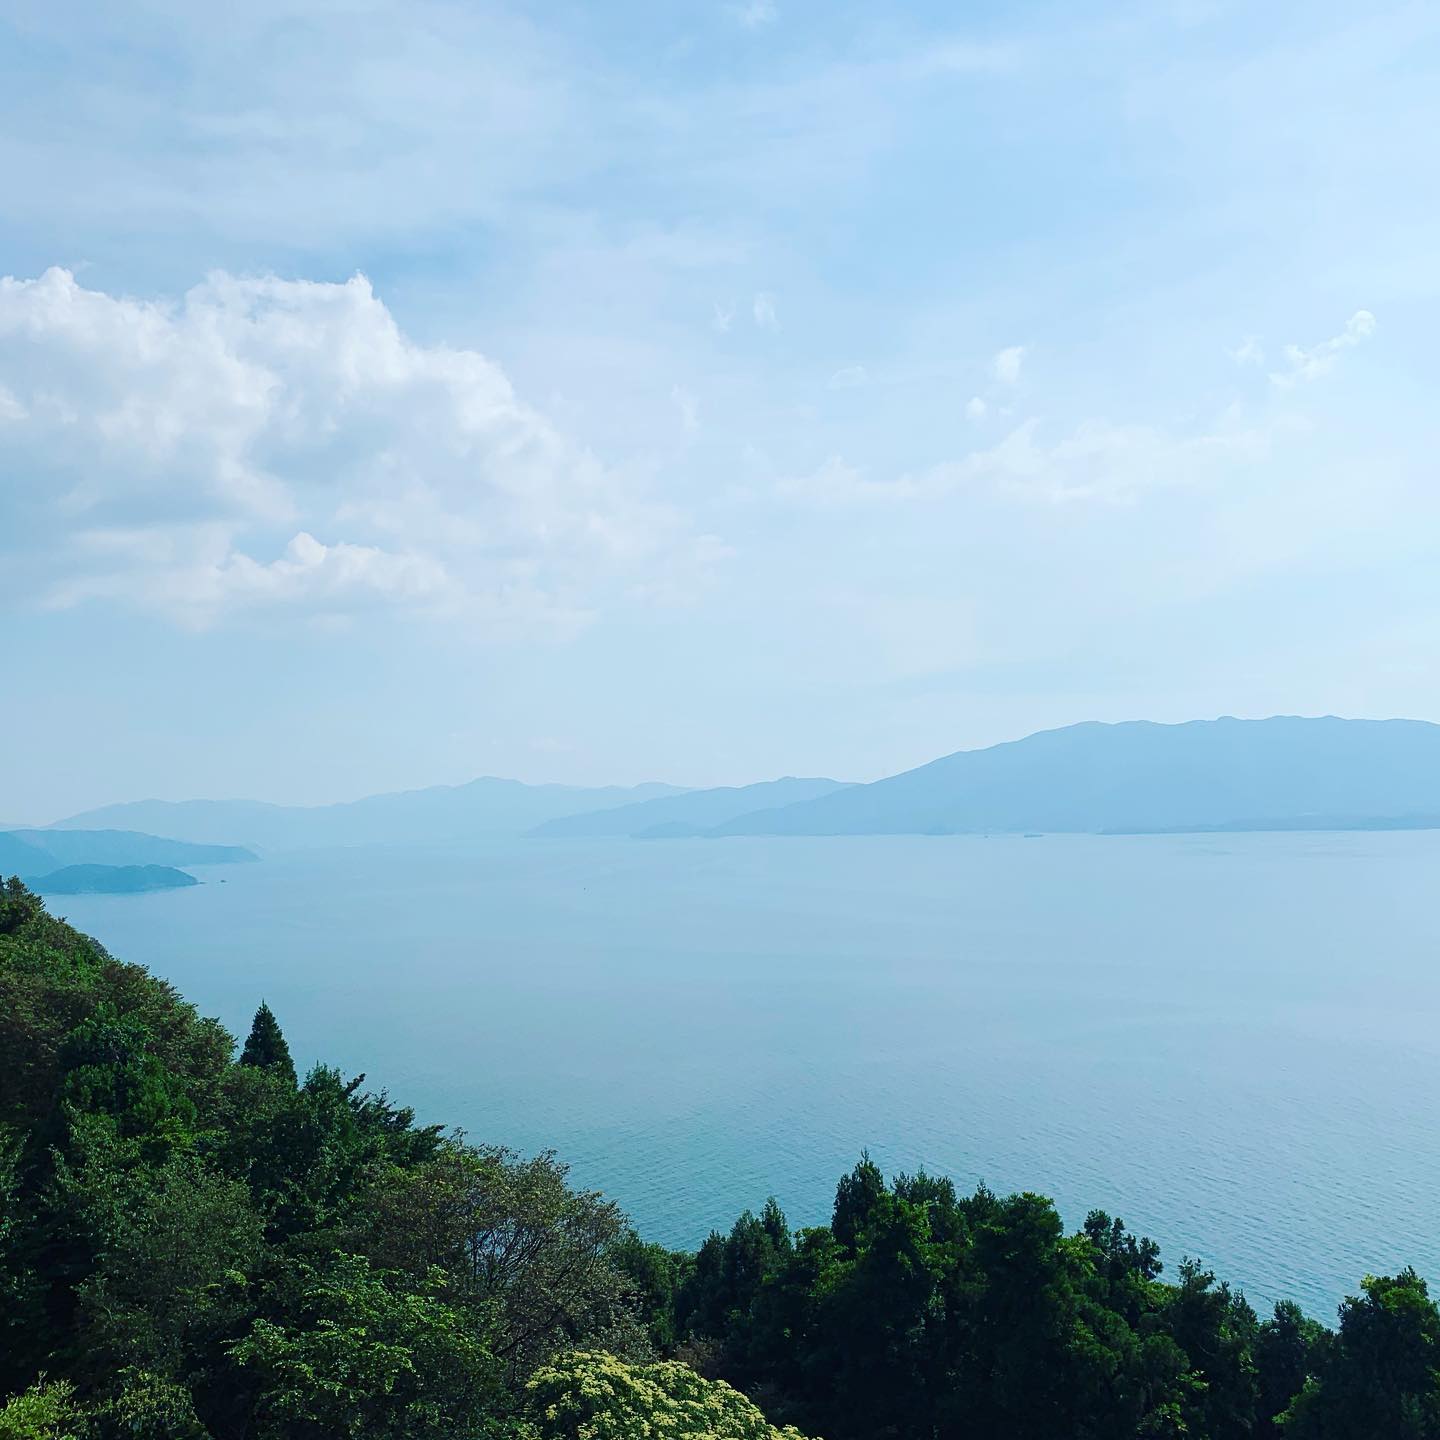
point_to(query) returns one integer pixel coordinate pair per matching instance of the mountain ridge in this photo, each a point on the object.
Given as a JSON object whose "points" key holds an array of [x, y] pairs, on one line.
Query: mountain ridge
{"points": [[1141, 776], [692, 813], [485, 807], [128, 847], [39, 852], [1283, 772]]}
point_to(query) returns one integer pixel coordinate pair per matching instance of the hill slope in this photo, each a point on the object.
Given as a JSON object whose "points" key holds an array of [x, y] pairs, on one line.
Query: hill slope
{"points": [[112, 880], [1282, 773], [691, 813], [19, 857], [444, 813], [120, 847]]}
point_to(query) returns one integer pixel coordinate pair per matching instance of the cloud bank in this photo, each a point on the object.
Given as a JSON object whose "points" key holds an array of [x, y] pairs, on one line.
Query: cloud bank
{"points": [[281, 443]]}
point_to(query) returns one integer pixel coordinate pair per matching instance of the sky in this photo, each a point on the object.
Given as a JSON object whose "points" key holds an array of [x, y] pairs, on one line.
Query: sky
{"points": [[392, 393]]}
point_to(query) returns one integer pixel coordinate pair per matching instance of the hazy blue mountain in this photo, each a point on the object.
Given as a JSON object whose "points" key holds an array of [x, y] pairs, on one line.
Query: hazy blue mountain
{"points": [[1282, 773], [206, 822], [444, 813], [19, 858], [124, 847], [111, 880], [691, 813]]}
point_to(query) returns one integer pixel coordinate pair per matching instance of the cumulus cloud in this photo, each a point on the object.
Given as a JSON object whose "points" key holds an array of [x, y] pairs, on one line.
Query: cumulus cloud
{"points": [[193, 574], [1310, 364], [267, 443], [976, 408], [763, 309], [1006, 364]]}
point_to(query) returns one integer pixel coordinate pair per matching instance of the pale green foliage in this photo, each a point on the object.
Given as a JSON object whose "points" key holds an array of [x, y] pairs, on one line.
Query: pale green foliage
{"points": [[591, 1395], [43, 1412], [147, 1406]]}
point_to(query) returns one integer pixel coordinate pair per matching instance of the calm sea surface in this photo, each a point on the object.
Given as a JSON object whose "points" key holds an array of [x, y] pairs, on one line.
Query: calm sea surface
{"points": [[1233, 1042]]}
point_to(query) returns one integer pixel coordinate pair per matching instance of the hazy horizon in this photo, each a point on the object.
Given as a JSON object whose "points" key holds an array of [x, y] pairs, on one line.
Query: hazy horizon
{"points": [[399, 395], [678, 785]]}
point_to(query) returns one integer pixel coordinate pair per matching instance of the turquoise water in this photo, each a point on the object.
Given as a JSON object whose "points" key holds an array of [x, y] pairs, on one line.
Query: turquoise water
{"points": [[1232, 1042]]}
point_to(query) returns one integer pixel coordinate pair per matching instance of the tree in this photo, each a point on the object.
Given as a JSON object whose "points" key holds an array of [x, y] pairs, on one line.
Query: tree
{"points": [[856, 1197], [877, 1326], [1379, 1375], [362, 1358], [1285, 1353], [173, 1246], [513, 1239], [310, 1155], [146, 1406], [265, 1046], [655, 1275], [43, 1412], [589, 1395], [1216, 1329]]}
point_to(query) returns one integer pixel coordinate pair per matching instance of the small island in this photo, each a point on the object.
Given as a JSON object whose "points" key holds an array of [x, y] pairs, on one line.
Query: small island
{"points": [[112, 880]]}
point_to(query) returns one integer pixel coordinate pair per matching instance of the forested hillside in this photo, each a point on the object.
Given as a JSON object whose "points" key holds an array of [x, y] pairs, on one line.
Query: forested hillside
{"points": [[198, 1245]]}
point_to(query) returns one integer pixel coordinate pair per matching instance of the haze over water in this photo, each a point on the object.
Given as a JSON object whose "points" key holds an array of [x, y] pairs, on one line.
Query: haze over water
{"points": [[1231, 1041]]}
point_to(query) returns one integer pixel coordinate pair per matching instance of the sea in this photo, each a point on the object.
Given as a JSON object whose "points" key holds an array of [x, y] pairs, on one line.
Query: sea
{"points": [[1230, 1041]]}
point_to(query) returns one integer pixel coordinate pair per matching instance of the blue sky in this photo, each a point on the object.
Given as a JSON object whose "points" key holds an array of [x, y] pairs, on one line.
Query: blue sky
{"points": [[391, 394]]}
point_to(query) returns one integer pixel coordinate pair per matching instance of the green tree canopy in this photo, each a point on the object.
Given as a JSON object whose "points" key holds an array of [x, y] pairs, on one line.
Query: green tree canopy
{"points": [[589, 1395], [265, 1046], [1380, 1376]]}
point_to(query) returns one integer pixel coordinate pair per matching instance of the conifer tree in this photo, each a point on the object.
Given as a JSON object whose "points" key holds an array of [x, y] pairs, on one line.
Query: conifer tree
{"points": [[266, 1048]]}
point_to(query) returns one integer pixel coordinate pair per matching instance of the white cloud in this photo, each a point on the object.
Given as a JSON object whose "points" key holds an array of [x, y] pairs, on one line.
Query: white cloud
{"points": [[763, 309], [850, 378], [1306, 365], [755, 14], [722, 317], [1006, 364], [1097, 460], [193, 574], [1117, 463], [1248, 352], [688, 407], [273, 443], [833, 482], [976, 408]]}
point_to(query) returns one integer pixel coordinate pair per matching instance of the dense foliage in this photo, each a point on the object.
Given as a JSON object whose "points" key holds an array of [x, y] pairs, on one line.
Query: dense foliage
{"points": [[197, 1246], [598, 1397]]}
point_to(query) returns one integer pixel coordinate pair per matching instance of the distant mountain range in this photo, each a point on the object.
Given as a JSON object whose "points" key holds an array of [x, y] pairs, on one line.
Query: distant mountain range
{"points": [[443, 814], [694, 812], [1285, 773]]}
